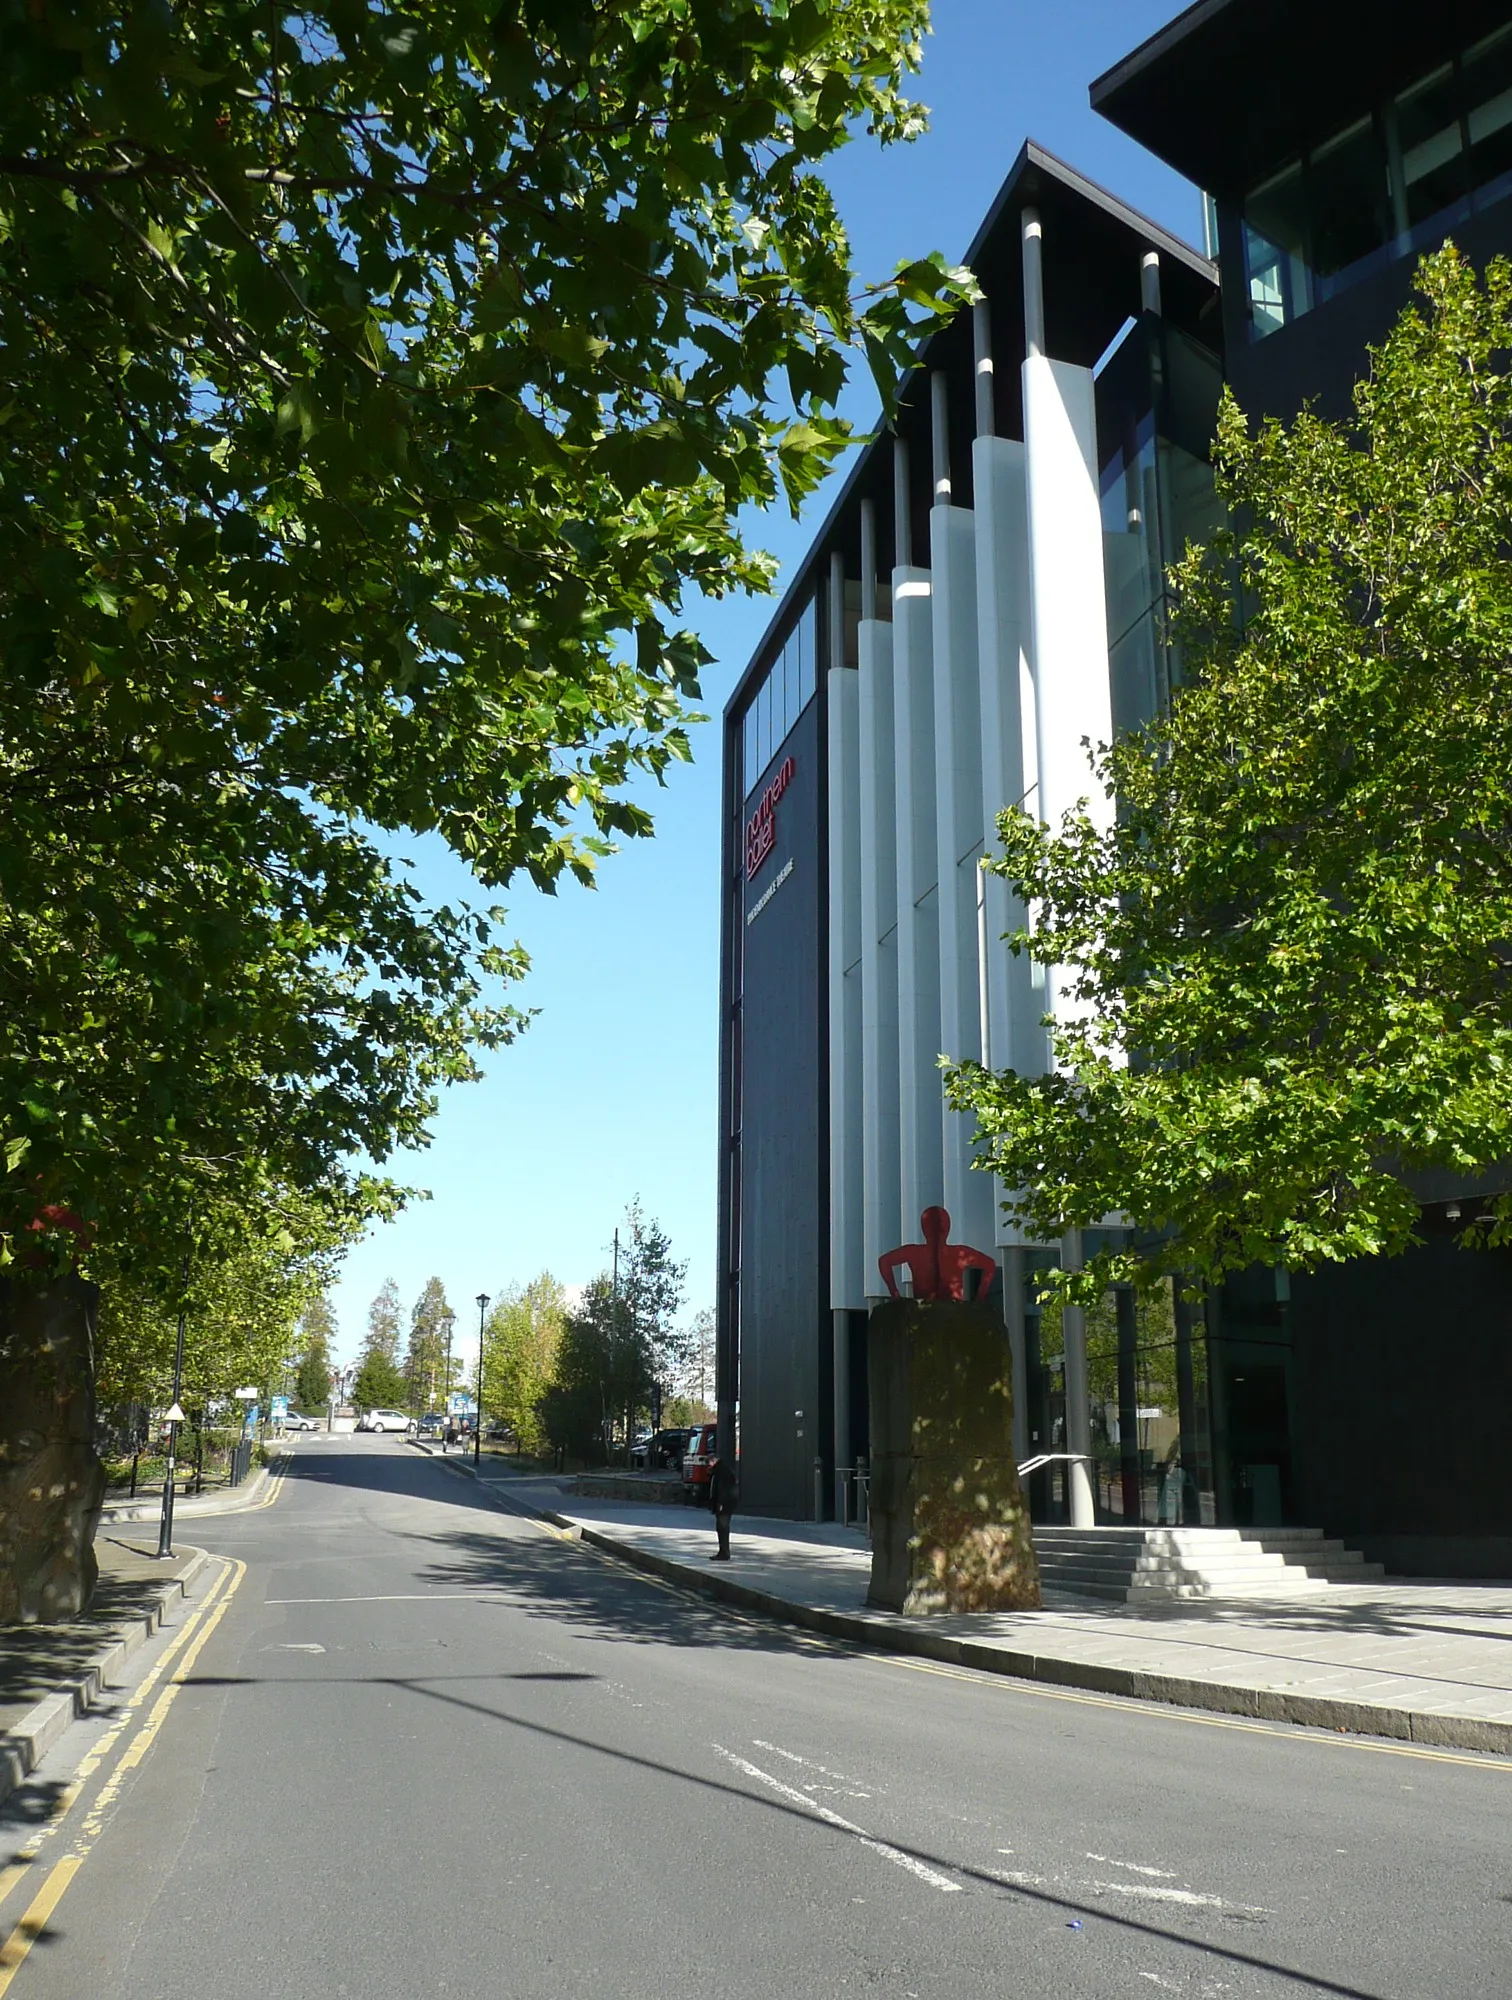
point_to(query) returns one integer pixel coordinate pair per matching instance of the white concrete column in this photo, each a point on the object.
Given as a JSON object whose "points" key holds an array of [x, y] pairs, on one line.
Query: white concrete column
{"points": [[1015, 986], [847, 1286], [921, 1167], [1069, 648], [1078, 1406], [958, 826], [882, 1214]]}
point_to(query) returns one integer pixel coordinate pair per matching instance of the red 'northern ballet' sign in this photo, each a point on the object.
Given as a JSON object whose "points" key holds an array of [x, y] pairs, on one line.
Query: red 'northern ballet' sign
{"points": [[761, 827]]}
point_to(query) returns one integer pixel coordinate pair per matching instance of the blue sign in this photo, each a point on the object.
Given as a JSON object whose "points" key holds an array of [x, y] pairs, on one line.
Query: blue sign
{"points": [[280, 1409]]}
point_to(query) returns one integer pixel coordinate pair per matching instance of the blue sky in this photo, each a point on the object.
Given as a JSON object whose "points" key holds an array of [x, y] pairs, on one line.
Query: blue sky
{"points": [[611, 1092]]}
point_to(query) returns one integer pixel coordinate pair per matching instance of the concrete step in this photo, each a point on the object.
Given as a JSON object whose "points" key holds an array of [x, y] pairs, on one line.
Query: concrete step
{"points": [[1175, 1564]]}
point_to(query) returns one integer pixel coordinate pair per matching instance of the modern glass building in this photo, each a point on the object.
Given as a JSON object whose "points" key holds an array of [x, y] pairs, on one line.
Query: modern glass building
{"points": [[987, 593]]}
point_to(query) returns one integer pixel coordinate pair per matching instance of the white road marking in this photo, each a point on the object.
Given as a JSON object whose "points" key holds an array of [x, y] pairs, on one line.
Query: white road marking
{"points": [[1148, 1892], [1134, 1867], [889, 1853], [294, 1647], [395, 1597], [842, 1783]]}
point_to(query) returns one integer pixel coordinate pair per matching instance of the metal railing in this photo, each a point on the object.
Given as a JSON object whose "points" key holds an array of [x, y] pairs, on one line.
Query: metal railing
{"points": [[853, 1494], [1053, 1458]]}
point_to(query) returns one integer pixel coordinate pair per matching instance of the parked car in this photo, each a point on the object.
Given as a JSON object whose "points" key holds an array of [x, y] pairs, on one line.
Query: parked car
{"points": [[293, 1421], [698, 1456], [662, 1448], [384, 1420], [431, 1425]]}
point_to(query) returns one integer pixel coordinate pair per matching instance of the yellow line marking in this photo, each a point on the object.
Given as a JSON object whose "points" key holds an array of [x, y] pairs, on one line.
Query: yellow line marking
{"points": [[1286, 1731], [13, 1952], [276, 1477], [17, 1869]]}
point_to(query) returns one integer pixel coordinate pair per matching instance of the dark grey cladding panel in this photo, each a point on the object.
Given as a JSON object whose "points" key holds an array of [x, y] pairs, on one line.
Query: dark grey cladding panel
{"points": [[1231, 89], [1318, 357], [785, 1206], [1403, 1385]]}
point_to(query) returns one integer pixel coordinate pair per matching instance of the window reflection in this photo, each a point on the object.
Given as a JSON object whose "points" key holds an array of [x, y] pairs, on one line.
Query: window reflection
{"points": [[1390, 185]]}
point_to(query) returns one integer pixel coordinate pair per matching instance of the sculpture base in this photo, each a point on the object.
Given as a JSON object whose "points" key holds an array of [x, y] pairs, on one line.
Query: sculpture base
{"points": [[52, 1483], [950, 1527]]}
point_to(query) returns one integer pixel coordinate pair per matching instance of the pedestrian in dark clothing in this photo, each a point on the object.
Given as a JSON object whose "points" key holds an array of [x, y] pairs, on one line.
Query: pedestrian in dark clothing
{"points": [[724, 1492]]}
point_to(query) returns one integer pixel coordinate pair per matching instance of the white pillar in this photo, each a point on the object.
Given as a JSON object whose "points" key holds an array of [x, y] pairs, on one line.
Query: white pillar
{"points": [[1078, 1406], [1070, 654], [920, 1176], [847, 1283], [847, 1288], [958, 826], [882, 1210], [1010, 757]]}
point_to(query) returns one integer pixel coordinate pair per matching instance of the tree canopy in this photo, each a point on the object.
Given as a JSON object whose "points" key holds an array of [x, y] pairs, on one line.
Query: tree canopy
{"points": [[376, 381], [1290, 955]]}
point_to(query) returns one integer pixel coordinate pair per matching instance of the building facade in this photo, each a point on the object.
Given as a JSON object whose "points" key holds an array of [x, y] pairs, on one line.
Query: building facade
{"points": [[985, 596]]}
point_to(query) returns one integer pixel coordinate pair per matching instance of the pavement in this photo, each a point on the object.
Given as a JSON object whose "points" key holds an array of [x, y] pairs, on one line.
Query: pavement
{"points": [[219, 1500], [406, 1741], [1419, 1660], [50, 1674]]}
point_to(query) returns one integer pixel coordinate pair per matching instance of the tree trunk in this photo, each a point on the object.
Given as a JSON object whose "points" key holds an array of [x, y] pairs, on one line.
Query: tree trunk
{"points": [[52, 1484]]}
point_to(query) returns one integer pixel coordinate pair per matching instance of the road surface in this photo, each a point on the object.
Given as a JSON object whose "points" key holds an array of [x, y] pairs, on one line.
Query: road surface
{"points": [[412, 1745]]}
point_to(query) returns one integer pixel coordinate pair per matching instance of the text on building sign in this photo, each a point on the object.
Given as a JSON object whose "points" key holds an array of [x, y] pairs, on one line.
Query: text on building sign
{"points": [[761, 827]]}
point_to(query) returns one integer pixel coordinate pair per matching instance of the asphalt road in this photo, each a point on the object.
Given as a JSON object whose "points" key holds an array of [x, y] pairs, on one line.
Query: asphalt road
{"points": [[421, 1747]]}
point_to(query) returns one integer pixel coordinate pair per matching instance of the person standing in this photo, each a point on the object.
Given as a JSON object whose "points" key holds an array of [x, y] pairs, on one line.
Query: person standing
{"points": [[724, 1493]]}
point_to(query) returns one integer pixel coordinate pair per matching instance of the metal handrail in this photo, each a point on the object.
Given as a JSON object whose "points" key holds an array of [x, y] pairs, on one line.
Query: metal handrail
{"points": [[1054, 1458]]}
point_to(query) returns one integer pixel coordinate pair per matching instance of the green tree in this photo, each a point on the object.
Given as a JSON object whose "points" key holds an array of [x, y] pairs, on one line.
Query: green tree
{"points": [[521, 1342], [601, 1372], [244, 1314], [312, 1384], [379, 1381], [651, 1284], [426, 1359], [1291, 952], [377, 382]]}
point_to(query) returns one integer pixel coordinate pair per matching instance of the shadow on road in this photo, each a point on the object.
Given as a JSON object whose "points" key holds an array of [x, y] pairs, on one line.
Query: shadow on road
{"points": [[575, 1585]]}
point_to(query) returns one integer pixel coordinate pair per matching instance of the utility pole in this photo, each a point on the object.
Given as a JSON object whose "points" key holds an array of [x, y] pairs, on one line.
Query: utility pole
{"points": [[478, 1420], [175, 1418]]}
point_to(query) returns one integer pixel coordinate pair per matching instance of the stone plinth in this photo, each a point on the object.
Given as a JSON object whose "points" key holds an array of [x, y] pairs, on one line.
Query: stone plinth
{"points": [[950, 1527], [51, 1480]]}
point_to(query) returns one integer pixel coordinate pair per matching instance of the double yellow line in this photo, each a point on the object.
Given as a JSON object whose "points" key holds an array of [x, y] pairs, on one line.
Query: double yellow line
{"points": [[186, 1646]]}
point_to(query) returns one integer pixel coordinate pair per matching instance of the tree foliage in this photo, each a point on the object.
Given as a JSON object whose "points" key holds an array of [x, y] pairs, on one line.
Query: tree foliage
{"points": [[317, 1331], [1291, 953], [426, 1355], [245, 1308], [375, 382], [521, 1342]]}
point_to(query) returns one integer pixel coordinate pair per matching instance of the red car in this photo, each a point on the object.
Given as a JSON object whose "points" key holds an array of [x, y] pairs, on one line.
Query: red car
{"points": [[698, 1455]]}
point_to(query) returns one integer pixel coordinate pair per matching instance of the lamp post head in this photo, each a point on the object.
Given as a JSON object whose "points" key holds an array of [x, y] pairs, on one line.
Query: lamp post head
{"points": [[482, 1301]]}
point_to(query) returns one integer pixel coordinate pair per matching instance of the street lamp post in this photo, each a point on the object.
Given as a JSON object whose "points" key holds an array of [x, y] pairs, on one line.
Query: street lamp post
{"points": [[478, 1420], [175, 1418]]}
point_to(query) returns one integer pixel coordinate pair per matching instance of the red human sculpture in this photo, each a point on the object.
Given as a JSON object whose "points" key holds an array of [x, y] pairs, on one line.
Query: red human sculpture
{"points": [[938, 1268]]}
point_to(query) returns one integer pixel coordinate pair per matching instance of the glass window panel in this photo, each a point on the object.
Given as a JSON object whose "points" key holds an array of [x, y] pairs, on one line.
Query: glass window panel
{"points": [[767, 692], [749, 733], [1275, 246], [809, 666], [1486, 79], [1433, 162], [1131, 545], [1349, 199], [791, 699]]}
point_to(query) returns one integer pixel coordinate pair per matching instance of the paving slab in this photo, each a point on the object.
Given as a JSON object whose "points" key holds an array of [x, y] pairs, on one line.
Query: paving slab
{"points": [[1422, 1659]]}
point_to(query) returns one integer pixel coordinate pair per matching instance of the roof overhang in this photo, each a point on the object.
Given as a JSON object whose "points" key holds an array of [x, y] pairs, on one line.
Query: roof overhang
{"points": [[1233, 89], [1092, 247]]}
